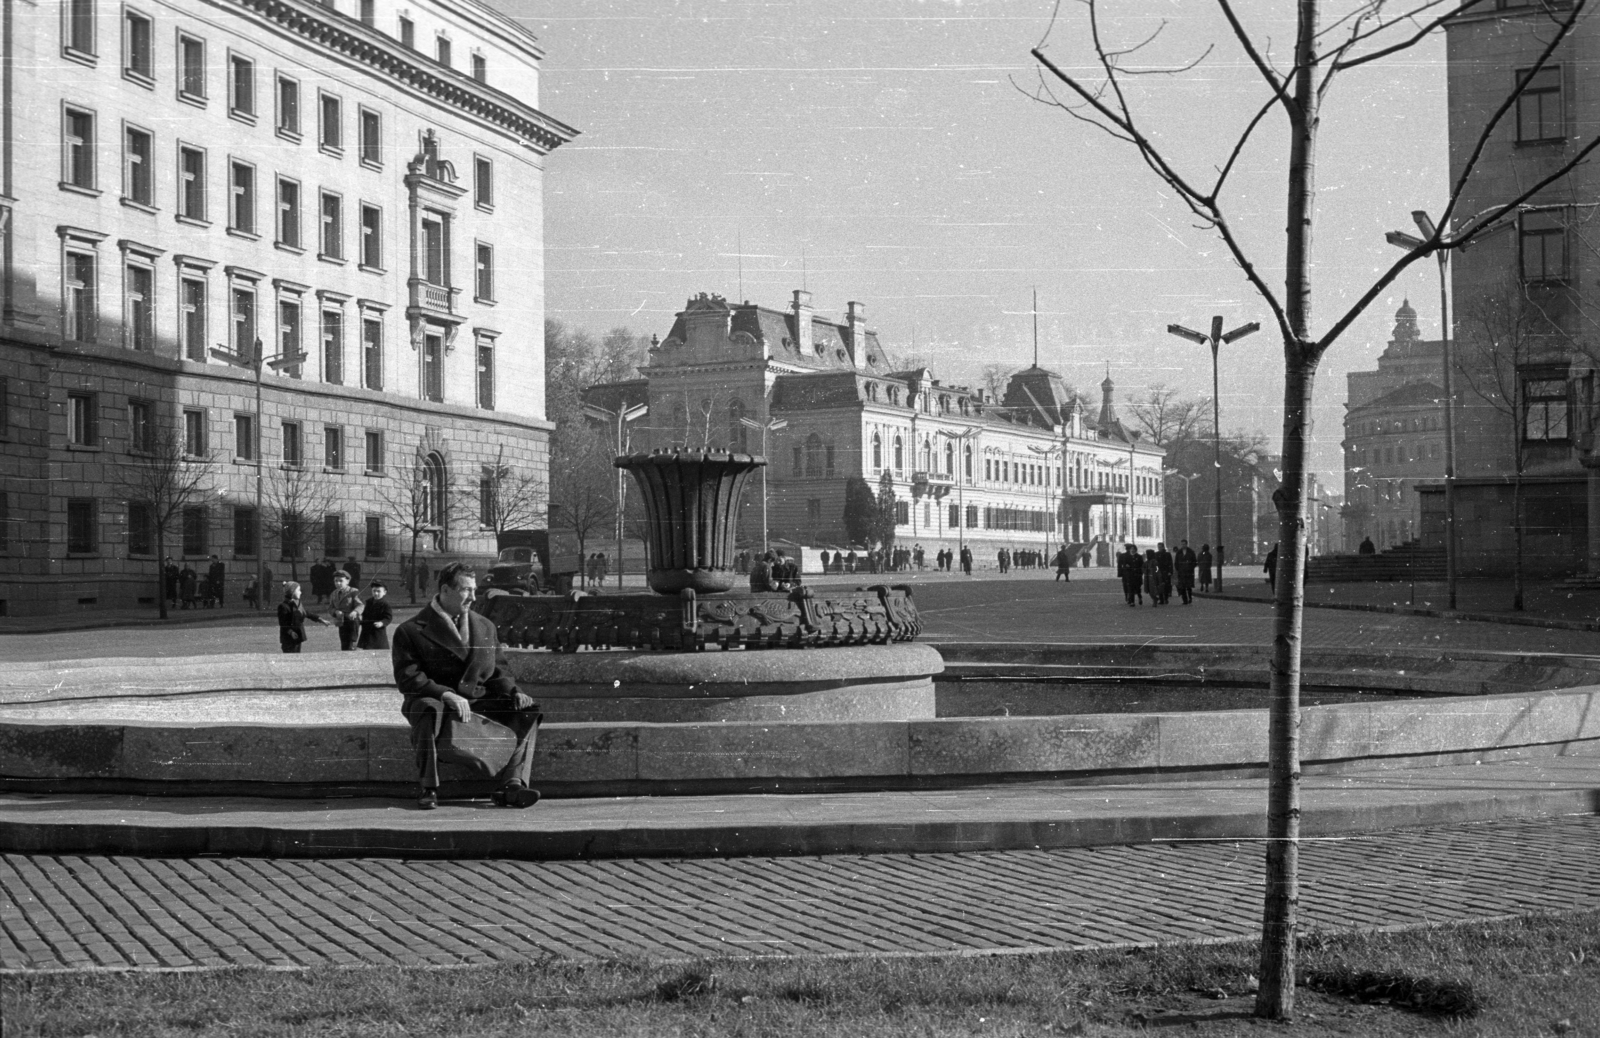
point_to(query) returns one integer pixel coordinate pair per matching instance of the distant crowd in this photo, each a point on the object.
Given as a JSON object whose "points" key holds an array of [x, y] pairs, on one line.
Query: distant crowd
{"points": [[1158, 572]]}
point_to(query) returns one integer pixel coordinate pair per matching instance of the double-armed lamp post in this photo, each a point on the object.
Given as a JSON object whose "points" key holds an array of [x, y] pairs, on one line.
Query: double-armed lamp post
{"points": [[771, 425], [1411, 243], [256, 361], [1215, 341], [1188, 533], [622, 416]]}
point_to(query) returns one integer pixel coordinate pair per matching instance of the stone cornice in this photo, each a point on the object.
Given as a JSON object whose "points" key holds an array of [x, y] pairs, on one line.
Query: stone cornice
{"points": [[319, 26]]}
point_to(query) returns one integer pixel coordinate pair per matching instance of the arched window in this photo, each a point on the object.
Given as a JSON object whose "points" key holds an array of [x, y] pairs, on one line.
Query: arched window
{"points": [[949, 458], [877, 451], [899, 454], [435, 498], [799, 466], [738, 432], [926, 459], [813, 455]]}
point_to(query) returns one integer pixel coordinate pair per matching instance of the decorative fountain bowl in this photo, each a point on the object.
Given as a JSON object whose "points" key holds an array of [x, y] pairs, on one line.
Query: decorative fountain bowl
{"points": [[691, 505]]}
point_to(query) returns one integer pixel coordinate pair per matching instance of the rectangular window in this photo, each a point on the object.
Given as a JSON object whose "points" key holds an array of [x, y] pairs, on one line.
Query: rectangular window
{"points": [[191, 68], [288, 213], [78, 317], [82, 420], [333, 535], [192, 318], [902, 513], [138, 37], [333, 347], [332, 226], [328, 129], [368, 12], [955, 516], [289, 331], [244, 437], [1539, 116], [245, 530], [77, 151], [194, 433], [1545, 401], [77, 28], [371, 237], [241, 87], [371, 138], [83, 534], [432, 368], [484, 270], [1543, 242], [288, 107], [195, 530], [141, 426], [408, 33], [292, 454], [482, 182], [140, 284], [372, 353], [375, 537], [191, 183], [242, 187], [141, 529], [441, 50], [480, 68], [139, 175], [433, 250], [486, 376], [374, 459], [244, 321], [333, 447]]}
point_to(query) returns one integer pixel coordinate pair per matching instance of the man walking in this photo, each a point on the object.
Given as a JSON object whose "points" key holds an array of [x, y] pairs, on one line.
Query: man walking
{"points": [[447, 665], [1063, 565], [1184, 563]]}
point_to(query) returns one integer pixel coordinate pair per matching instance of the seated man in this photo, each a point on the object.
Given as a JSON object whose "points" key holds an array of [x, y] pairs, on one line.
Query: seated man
{"points": [[447, 665]]}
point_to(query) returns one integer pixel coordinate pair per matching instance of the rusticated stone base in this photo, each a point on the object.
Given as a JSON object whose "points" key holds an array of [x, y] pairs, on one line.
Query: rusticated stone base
{"points": [[687, 622]]}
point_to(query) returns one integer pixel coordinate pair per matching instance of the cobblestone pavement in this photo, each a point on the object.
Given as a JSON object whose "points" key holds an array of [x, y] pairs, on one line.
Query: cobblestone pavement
{"points": [[84, 913]]}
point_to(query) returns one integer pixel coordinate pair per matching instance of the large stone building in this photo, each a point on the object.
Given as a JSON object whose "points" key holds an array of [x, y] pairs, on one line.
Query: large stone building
{"points": [[1393, 437], [1524, 294], [355, 184], [1029, 471]]}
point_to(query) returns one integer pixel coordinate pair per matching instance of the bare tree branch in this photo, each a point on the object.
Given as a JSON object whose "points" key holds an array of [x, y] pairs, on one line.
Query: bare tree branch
{"points": [[1407, 43], [1279, 84]]}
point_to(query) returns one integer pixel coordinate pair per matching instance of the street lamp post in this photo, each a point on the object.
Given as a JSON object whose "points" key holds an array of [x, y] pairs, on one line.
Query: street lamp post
{"points": [[1049, 493], [256, 361], [1215, 341], [622, 415], [1133, 441], [961, 486], [1410, 243], [770, 425], [1188, 532]]}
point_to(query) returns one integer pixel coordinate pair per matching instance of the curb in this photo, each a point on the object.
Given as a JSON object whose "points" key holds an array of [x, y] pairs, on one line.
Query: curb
{"points": [[1437, 614], [579, 843]]}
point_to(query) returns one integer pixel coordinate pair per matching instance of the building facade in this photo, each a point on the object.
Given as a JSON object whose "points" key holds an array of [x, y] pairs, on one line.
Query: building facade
{"points": [[353, 188], [1029, 471], [1393, 437], [1524, 293]]}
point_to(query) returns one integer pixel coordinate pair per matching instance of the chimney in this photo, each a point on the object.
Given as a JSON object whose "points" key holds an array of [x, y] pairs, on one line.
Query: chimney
{"points": [[802, 321], [858, 334]]}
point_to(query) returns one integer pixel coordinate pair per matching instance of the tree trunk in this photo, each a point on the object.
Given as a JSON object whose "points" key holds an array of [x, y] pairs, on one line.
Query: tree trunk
{"points": [[161, 569], [1275, 998], [1516, 529]]}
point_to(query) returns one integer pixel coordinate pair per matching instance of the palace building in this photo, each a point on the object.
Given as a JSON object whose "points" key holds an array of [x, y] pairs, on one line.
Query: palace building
{"points": [[354, 185], [1028, 471]]}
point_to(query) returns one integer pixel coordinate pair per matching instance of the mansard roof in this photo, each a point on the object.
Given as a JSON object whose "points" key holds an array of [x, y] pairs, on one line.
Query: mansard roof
{"points": [[761, 332]]}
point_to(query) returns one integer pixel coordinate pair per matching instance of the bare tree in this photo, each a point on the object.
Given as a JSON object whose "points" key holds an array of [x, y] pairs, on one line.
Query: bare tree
{"points": [[583, 483], [1372, 30], [410, 499], [995, 377], [161, 477], [1166, 415], [296, 503], [508, 498]]}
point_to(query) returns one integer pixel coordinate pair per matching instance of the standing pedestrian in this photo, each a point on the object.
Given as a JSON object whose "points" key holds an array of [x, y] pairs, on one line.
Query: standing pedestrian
{"points": [[966, 561], [1271, 566], [170, 575], [376, 616], [1149, 575], [1163, 573], [216, 581], [1205, 567], [1063, 562], [321, 574], [1184, 563], [345, 606], [188, 586], [352, 567], [292, 617]]}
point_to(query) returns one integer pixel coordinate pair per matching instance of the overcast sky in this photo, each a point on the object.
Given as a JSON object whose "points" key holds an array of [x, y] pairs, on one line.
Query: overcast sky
{"points": [[888, 151]]}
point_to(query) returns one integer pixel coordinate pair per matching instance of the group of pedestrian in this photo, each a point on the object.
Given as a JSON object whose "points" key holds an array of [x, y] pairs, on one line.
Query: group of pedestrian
{"points": [[1158, 572], [361, 624], [774, 571], [185, 588], [595, 568], [1022, 558]]}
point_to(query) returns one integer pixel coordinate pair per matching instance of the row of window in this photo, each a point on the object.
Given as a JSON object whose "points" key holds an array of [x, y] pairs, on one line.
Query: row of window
{"points": [[80, 321], [80, 42], [296, 534], [1398, 454]]}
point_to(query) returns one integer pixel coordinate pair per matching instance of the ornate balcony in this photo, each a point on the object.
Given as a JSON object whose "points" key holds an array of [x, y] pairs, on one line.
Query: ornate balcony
{"points": [[434, 300]]}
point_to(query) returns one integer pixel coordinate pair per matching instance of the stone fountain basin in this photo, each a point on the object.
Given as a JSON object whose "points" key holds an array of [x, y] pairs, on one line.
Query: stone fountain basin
{"points": [[330, 725]]}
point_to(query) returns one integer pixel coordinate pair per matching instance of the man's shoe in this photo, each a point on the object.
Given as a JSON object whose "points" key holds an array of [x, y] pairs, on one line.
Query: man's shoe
{"points": [[515, 794], [428, 800]]}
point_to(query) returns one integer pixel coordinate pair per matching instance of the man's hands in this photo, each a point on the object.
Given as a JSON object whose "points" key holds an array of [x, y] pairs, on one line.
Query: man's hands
{"points": [[459, 704]]}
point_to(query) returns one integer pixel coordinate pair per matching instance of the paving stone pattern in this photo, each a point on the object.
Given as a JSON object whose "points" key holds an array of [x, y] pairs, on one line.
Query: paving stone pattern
{"points": [[85, 913]]}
